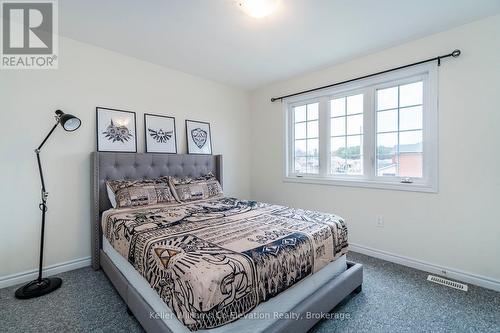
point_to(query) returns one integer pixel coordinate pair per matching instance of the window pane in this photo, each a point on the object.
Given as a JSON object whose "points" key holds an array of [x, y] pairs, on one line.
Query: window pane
{"points": [[312, 164], [300, 147], [300, 113], [387, 140], [410, 141], [410, 165], [387, 98], [338, 126], [410, 154], [355, 124], [300, 165], [387, 121], [300, 131], [312, 129], [338, 107], [338, 165], [312, 111], [338, 156], [338, 146], [410, 94], [354, 155], [410, 118], [313, 147], [354, 146], [355, 104], [386, 154]]}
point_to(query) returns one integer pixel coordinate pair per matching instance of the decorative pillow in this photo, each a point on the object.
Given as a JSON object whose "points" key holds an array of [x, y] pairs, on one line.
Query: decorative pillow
{"points": [[132, 193], [189, 189]]}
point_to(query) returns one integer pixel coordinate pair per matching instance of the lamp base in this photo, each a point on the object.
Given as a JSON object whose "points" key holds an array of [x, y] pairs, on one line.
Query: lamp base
{"points": [[38, 288]]}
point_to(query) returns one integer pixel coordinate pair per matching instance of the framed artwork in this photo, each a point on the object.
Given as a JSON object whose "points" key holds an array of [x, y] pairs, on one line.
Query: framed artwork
{"points": [[160, 135], [198, 137], [116, 130]]}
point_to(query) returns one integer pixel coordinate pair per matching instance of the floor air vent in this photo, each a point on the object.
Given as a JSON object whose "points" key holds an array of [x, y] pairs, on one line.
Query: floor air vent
{"points": [[448, 283]]}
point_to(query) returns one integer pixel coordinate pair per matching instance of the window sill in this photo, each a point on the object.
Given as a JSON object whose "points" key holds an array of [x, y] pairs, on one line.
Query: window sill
{"points": [[414, 187]]}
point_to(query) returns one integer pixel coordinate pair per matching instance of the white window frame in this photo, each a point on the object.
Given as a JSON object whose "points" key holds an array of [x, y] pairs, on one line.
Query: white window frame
{"points": [[428, 73]]}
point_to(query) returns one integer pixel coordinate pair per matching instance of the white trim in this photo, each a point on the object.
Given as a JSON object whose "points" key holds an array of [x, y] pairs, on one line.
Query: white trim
{"points": [[478, 280], [324, 131], [357, 182], [18, 278]]}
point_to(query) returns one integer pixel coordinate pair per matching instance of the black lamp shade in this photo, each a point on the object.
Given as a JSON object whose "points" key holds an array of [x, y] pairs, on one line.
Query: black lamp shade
{"points": [[69, 122]]}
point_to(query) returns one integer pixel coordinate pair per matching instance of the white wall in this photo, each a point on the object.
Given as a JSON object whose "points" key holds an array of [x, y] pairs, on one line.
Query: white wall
{"points": [[457, 228], [88, 77]]}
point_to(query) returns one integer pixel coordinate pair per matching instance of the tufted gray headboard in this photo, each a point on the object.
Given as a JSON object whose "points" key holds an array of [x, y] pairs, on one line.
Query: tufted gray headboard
{"points": [[111, 166]]}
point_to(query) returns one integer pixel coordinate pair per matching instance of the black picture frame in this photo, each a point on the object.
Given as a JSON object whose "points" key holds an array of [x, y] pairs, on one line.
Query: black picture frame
{"points": [[97, 109], [146, 133], [209, 137]]}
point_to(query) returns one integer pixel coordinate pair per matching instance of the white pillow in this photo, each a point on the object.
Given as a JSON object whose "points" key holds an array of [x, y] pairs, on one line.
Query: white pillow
{"points": [[111, 196]]}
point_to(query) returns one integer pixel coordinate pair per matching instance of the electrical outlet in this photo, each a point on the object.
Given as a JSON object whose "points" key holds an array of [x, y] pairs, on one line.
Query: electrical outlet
{"points": [[380, 222]]}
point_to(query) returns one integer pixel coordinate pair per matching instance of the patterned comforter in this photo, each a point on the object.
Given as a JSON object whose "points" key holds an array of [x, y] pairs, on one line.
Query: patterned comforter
{"points": [[215, 260]]}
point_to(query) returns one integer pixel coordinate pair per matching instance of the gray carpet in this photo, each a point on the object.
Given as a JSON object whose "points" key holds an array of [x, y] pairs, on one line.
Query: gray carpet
{"points": [[394, 299]]}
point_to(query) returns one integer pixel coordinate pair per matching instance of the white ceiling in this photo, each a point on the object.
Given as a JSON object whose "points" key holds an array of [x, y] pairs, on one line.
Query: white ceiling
{"points": [[215, 40]]}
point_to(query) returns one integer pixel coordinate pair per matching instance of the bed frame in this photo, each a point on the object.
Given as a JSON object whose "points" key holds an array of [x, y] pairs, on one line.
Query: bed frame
{"points": [[110, 166]]}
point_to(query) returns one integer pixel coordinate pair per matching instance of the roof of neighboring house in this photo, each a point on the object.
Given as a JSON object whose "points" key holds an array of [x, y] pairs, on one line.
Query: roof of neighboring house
{"points": [[411, 148]]}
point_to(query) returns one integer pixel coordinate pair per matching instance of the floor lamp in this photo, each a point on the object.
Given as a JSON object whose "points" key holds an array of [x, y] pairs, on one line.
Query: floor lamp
{"points": [[42, 286]]}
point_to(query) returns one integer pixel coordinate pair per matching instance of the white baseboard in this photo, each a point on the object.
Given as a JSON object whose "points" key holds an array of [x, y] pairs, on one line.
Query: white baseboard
{"points": [[18, 278], [452, 273]]}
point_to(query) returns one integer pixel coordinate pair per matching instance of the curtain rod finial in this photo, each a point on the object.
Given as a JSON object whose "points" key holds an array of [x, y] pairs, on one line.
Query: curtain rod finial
{"points": [[456, 53]]}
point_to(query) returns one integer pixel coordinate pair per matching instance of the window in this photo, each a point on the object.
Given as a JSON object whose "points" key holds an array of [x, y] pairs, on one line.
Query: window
{"points": [[379, 132], [306, 138], [346, 129], [399, 130]]}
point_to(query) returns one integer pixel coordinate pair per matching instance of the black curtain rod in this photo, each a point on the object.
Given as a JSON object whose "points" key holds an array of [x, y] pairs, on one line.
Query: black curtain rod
{"points": [[453, 54]]}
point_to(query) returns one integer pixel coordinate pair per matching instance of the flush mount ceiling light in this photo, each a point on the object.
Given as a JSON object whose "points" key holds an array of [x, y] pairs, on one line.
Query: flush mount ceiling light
{"points": [[258, 8]]}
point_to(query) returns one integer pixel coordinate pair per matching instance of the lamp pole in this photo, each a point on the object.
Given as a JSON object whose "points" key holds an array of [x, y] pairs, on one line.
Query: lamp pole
{"points": [[44, 194]]}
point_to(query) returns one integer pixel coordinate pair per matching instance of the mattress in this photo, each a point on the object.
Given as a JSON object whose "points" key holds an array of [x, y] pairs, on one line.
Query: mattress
{"points": [[258, 320], [214, 261]]}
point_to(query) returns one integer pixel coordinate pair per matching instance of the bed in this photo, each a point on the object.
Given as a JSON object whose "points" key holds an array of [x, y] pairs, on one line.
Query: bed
{"points": [[248, 242]]}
